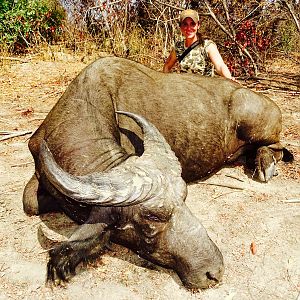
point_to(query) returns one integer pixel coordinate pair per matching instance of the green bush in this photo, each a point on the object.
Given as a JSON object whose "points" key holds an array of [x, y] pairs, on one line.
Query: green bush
{"points": [[288, 37], [24, 23]]}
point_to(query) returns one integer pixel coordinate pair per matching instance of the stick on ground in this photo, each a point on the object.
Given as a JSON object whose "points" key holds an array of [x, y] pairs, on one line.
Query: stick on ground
{"points": [[12, 134]]}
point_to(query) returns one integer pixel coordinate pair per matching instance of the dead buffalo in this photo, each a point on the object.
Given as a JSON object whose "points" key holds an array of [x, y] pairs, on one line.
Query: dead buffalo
{"points": [[138, 201]]}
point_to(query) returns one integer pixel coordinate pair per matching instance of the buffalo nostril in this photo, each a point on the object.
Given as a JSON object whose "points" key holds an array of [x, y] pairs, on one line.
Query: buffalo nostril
{"points": [[211, 276]]}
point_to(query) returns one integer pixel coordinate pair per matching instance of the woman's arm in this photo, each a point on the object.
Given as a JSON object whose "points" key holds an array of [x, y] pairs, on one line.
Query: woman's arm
{"points": [[217, 60], [170, 62]]}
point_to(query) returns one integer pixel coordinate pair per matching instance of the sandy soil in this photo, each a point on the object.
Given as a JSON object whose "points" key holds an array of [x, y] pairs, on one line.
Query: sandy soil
{"points": [[257, 214]]}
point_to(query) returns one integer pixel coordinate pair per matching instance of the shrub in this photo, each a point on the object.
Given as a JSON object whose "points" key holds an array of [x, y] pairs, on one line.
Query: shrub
{"points": [[288, 37], [24, 23]]}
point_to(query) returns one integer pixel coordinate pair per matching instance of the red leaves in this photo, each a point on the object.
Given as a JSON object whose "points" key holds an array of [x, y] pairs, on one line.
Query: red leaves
{"points": [[248, 37]]}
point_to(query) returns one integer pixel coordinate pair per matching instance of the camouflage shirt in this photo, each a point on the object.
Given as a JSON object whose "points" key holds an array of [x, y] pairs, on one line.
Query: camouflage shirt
{"points": [[197, 60]]}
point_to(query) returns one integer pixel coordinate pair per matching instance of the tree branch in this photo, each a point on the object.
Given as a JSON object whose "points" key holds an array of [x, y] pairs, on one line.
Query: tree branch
{"points": [[228, 17]]}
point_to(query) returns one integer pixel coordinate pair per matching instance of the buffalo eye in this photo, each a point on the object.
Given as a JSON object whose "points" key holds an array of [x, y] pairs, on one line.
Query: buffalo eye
{"points": [[153, 218], [160, 215]]}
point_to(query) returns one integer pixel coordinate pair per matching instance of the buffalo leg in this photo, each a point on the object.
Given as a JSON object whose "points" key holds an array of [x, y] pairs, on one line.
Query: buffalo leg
{"points": [[86, 243], [36, 200], [66, 257], [258, 123], [263, 159]]}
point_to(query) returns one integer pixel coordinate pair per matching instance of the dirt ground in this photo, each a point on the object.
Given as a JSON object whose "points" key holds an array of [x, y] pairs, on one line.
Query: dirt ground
{"points": [[266, 216]]}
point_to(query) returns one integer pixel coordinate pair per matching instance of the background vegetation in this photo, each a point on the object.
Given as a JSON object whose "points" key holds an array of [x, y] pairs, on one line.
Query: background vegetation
{"points": [[247, 32], [25, 23]]}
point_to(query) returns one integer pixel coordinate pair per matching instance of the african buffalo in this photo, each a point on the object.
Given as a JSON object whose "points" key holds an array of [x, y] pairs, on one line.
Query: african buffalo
{"points": [[85, 162]]}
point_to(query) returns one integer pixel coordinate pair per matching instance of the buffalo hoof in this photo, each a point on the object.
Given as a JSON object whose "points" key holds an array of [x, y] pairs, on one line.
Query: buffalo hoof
{"points": [[265, 164], [266, 174]]}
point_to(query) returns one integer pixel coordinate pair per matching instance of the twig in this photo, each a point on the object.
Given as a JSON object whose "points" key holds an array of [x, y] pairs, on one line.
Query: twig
{"points": [[272, 80], [292, 201], [277, 88], [14, 58], [22, 164], [222, 185], [14, 134], [289, 91], [3, 268], [221, 195], [231, 176]]}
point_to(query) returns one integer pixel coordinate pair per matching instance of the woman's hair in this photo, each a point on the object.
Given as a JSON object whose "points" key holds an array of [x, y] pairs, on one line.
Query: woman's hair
{"points": [[200, 37]]}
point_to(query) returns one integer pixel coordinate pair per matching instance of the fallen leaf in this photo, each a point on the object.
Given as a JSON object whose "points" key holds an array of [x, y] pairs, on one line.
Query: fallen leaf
{"points": [[27, 112], [253, 248]]}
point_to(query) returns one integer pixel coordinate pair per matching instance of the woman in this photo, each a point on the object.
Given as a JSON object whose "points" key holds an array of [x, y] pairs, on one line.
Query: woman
{"points": [[204, 56]]}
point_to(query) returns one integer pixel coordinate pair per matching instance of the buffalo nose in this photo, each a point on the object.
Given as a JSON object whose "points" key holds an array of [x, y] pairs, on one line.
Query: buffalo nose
{"points": [[212, 277]]}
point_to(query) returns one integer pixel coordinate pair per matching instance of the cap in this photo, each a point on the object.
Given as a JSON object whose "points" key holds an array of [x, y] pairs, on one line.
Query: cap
{"points": [[189, 13]]}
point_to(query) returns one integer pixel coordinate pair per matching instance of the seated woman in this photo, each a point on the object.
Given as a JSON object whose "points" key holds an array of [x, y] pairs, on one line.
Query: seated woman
{"points": [[195, 54]]}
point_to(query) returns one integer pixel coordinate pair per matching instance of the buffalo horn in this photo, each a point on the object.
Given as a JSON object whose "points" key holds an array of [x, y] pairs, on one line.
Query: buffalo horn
{"points": [[127, 184]]}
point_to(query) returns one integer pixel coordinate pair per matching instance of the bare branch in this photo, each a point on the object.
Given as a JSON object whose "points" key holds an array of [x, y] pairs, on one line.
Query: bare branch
{"points": [[212, 14], [228, 17]]}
